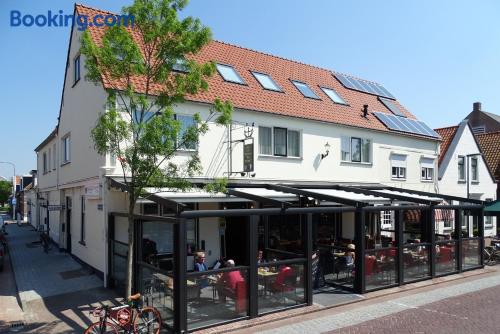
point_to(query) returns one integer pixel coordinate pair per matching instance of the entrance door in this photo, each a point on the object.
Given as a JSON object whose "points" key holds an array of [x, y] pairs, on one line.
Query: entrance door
{"points": [[68, 224]]}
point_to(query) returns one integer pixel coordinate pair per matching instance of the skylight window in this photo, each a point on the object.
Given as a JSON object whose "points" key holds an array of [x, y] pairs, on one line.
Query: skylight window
{"points": [[229, 74], [266, 81], [333, 95], [180, 66], [305, 90]]}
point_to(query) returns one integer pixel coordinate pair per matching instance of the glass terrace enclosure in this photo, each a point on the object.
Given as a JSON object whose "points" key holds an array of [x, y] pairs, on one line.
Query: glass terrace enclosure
{"points": [[278, 243]]}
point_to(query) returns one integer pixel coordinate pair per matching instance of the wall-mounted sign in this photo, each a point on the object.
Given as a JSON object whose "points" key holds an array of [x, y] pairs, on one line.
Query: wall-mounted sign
{"points": [[100, 207], [55, 207], [248, 163], [93, 191]]}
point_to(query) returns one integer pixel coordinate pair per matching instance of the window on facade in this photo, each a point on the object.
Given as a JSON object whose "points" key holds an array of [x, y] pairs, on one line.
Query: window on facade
{"points": [[228, 73], [54, 156], [142, 117], [461, 168], [488, 220], [76, 73], [427, 169], [44, 161], [82, 221], [266, 81], [398, 166], [186, 123], [355, 149], [265, 140], [305, 90], [66, 149], [112, 160], [49, 167], [474, 169], [279, 142], [332, 94]]}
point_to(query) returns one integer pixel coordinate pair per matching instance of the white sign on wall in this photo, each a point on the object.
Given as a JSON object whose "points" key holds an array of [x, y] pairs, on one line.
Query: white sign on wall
{"points": [[93, 191]]}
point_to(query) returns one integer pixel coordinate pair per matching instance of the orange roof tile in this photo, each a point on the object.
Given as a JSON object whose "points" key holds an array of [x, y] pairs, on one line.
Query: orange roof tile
{"points": [[447, 135], [489, 144], [252, 96]]}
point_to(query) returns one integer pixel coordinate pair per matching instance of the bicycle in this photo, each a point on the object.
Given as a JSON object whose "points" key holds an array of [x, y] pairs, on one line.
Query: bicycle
{"points": [[126, 318], [492, 254]]}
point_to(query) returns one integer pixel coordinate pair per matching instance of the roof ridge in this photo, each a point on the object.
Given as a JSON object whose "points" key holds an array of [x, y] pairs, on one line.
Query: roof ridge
{"points": [[446, 127]]}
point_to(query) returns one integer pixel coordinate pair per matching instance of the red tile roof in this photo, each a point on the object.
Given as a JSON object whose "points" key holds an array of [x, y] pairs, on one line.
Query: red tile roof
{"points": [[489, 144], [253, 97], [447, 135]]}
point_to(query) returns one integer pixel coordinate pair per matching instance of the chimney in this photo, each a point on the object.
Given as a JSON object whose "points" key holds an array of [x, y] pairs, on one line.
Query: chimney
{"points": [[365, 110], [476, 106]]}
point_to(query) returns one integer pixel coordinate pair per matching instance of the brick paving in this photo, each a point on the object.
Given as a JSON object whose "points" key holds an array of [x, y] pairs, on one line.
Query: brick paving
{"points": [[476, 312], [52, 302]]}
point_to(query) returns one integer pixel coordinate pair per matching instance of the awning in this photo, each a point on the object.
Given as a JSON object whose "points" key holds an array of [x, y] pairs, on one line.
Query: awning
{"points": [[493, 207]]}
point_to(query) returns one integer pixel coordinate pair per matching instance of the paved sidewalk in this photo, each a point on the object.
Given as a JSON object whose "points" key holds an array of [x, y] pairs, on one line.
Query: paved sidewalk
{"points": [[11, 312], [55, 292]]}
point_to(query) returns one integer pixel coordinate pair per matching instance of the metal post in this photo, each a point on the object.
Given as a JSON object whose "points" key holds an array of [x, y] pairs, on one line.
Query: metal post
{"points": [[480, 223], [253, 279], [458, 231], [308, 250], [398, 221], [180, 267], [431, 223], [111, 237], [359, 241]]}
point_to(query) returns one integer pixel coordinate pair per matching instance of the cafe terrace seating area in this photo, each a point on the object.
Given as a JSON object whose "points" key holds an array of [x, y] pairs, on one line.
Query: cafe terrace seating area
{"points": [[286, 244]]}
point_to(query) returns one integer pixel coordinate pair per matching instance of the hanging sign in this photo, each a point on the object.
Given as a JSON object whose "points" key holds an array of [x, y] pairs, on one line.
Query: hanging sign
{"points": [[55, 207], [248, 163]]}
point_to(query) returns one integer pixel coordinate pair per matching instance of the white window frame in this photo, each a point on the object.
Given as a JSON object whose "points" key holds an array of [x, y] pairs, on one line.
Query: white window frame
{"points": [[474, 177], [66, 149], [77, 69], [427, 169], [461, 158], [349, 139], [399, 167], [49, 164], [112, 159], [488, 220], [176, 116], [44, 162], [54, 157], [287, 143]]}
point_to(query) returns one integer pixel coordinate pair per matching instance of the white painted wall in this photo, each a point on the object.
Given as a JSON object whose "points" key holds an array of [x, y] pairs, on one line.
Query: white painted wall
{"points": [[449, 182]]}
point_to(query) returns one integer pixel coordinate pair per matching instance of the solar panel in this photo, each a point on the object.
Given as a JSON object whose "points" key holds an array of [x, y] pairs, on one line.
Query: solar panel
{"points": [[363, 86], [406, 125], [392, 107]]}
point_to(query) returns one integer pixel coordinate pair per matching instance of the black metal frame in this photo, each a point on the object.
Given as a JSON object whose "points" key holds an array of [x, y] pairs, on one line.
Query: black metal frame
{"points": [[278, 207]]}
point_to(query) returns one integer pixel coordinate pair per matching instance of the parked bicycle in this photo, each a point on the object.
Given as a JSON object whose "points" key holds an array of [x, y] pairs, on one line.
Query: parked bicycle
{"points": [[492, 253], [126, 318]]}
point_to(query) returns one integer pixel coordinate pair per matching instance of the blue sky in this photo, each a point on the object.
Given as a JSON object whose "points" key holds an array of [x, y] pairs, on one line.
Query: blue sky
{"points": [[436, 57]]}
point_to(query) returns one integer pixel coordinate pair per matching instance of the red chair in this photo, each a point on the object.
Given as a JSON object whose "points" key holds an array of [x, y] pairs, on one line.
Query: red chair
{"points": [[370, 263], [445, 254], [285, 281], [240, 297]]}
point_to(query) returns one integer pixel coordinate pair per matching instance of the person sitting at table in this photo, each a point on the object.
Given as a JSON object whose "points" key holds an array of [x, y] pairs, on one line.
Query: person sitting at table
{"points": [[260, 257], [200, 265], [227, 283], [350, 255]]}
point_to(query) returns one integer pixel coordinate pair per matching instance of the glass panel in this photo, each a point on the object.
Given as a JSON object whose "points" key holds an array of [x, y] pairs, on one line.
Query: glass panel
{"points": [[461, 168], [157, 289], [266, 81], [217, 297], [280, 286], [473, 168], [471, 256], [186, 123], [265, 146], [285, 238], [333, 95], [365, 150], [446, 257], [416, 262], [280, 141], [381, 267], [293, 143], [305, 90], [346, 149], [356, 149], [229, 74]]}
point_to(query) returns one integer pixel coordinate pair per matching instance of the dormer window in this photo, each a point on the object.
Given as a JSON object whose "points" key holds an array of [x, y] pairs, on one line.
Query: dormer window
{"points": [[229, 74]]}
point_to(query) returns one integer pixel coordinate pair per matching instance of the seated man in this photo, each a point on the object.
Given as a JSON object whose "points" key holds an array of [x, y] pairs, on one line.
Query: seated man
{"points": [[227, 283]]}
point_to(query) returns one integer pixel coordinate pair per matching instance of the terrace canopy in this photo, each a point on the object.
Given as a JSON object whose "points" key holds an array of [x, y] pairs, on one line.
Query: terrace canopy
{"points": [[288, 238]]}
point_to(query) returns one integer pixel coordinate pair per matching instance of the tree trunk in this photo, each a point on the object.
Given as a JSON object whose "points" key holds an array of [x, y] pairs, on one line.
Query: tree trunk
{"points": [[130, 255]]}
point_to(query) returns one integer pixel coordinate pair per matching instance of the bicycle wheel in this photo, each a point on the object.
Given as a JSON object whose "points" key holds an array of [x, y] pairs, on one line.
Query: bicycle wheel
{"points": [[95, 328], [148, 321]]}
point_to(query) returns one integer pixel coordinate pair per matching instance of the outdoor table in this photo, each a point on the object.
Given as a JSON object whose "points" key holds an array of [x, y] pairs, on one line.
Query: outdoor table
{"points": [[265, 277]]}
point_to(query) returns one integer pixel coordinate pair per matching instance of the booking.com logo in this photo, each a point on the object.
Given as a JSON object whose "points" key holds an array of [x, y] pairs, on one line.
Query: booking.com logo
{"points": [[59, 19]]}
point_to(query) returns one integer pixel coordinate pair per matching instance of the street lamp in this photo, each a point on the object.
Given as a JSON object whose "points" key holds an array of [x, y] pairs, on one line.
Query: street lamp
{"points": [[468, 171], [13, 186]]}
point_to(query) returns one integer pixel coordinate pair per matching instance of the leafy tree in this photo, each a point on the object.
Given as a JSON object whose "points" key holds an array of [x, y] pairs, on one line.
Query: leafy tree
{"points": [[5, 191], [139, 126]]}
